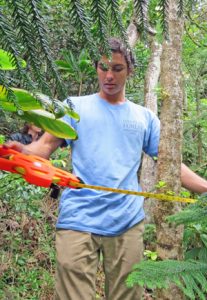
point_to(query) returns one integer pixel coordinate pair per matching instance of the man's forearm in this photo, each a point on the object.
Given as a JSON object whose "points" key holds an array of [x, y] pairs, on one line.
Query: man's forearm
{"points": [[192, 181], [42, 147]]}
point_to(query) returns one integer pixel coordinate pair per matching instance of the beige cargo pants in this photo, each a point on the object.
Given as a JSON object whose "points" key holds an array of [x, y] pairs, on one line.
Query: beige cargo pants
{"points": [[77, 262]]}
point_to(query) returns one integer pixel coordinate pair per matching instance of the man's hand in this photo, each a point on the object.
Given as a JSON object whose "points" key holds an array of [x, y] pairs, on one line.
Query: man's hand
{"points": [[16, 146], [43, 147]]}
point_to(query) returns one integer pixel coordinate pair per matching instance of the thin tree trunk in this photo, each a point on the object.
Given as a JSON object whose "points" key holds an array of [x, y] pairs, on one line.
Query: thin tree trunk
{"points": [[148, 171], [169, 237], [132, 34], [198, 127]]}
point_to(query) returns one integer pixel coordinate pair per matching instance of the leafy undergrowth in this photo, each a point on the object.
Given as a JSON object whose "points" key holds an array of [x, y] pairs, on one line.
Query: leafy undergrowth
{"points": [[27, 241]]}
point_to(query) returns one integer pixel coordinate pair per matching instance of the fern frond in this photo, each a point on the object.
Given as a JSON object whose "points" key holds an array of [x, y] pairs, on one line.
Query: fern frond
{"points": [[140, 9], [9, 42], [164, 12], [195, 213], [41, 37], [189, 276], [193, 254], [99, 17], [181, 7], [202, 256], [25, 29], [114, 12], [82, 22]]}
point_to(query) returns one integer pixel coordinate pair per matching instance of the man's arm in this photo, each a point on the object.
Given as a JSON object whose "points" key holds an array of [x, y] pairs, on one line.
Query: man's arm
{"points": [[192, 181], [42, 147]]}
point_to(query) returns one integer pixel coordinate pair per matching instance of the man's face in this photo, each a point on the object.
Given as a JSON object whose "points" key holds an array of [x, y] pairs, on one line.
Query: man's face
{"points": [[112, 75]]}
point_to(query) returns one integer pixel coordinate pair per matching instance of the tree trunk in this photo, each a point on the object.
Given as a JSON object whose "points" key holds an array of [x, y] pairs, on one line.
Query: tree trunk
{"points": [[132, 34], [169, 237], [148, 171], [198, 127]]}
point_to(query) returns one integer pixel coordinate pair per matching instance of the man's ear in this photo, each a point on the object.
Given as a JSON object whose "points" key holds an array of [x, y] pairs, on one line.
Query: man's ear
{"points": [[129, 72]]}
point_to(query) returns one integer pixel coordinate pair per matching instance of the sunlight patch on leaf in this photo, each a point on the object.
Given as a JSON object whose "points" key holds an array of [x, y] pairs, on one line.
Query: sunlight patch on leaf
{"points": [[24, 99], [6, 62]]}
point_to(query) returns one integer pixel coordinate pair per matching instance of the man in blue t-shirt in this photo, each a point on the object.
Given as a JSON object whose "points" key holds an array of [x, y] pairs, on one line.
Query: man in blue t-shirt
{"points": [[112, 133]]}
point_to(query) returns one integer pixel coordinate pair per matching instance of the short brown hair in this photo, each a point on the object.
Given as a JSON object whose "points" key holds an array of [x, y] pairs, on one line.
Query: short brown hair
{"points": [[117, 46]]}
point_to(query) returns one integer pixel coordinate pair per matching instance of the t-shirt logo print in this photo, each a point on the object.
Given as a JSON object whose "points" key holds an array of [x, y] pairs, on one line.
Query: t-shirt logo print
{"points": [[130, 125]]}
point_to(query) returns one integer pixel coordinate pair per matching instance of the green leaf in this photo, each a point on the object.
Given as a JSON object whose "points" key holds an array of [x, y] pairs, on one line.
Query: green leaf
{"points": [[160, 184], [24, 100], [57, 107], [72, 113], [63, 65], [6, 62], [2, 139], [204, 239], [47, 122]]}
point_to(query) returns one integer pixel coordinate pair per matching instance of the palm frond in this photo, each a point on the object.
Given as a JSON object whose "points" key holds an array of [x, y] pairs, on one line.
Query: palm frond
{"points": [[140, 10], [41, 37], [99, 17], [189, 276], [164, 12], [9, 42], [21, 21], [81, 20], [194, 213], [181, 7], [115, 15]]}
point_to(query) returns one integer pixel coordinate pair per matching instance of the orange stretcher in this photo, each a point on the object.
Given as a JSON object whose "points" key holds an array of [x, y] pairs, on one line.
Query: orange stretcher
{"points": [[34, 169]]}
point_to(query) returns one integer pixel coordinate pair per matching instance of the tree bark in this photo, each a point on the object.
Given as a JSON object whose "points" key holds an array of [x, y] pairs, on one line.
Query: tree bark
{"points": [[132, 34], [169, 237], [148, 171]]}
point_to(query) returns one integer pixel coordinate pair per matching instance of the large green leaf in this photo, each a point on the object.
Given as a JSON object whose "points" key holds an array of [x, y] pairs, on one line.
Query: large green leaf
{"points": [[49, 123], [6, 62], [57, 107], [25, 101]]}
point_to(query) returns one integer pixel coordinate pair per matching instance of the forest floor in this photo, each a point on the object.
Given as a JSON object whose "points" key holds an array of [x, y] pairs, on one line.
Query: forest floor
{"points": [[27, 254]]}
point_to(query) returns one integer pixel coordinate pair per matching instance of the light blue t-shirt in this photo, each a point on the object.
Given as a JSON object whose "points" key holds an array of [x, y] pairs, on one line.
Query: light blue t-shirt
{"points": [[108, 152]]}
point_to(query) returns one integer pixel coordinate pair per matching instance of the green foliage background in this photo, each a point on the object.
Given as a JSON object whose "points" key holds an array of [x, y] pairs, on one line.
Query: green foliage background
{"points": [[28, 214]]}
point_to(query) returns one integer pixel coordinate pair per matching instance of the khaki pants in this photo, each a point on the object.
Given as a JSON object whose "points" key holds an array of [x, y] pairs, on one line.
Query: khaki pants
{"points": [[77, 262]]}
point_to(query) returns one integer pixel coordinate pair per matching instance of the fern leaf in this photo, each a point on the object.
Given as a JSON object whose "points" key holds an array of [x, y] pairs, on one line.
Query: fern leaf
{"points": [[187, 275], [21, 21], [202, 256], [192, 254], [201, 279], [195, 213], [41, 36], [114, 11], [181, 6], [9, 42], [82, 22], [164, 12], [140, 9], [99, 16], [189, 286]]}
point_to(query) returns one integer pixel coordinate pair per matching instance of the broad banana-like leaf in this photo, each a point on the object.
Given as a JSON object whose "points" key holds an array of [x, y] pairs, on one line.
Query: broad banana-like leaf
{"points": [[6, 62], [25, 101], [49, 123]]}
